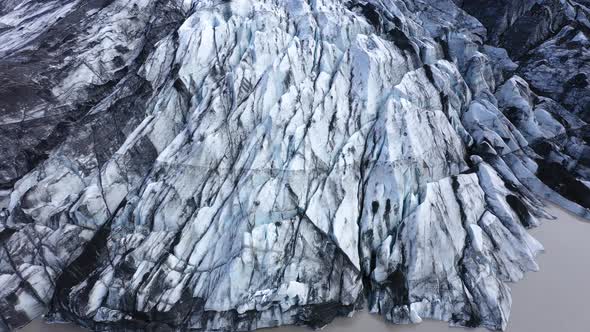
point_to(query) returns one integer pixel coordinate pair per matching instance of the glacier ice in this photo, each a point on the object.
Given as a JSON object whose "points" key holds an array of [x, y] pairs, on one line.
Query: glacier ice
{"points": [[211, 165]]}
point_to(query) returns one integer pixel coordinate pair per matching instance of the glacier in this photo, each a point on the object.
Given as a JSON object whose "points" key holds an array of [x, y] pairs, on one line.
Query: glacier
{"points": [[214, 165]]}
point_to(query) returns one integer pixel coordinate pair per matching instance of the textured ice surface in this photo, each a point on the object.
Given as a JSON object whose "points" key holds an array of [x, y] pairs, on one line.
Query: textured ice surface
{"points": [[233, 165]]}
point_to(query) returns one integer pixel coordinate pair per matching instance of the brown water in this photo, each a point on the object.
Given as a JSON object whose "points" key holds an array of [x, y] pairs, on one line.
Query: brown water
{"points": [[555, 299]]}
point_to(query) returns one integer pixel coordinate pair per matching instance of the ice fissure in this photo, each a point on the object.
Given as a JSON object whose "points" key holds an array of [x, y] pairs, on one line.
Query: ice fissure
{"points": [[232, 165]]}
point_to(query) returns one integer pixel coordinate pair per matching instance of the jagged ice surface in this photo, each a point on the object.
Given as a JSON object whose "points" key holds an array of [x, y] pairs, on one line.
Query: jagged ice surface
{"points": [[227, 166]]}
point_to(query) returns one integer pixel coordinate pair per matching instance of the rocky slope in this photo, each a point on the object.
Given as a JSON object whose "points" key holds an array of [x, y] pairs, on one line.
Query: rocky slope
{"points": [[180, 165]]}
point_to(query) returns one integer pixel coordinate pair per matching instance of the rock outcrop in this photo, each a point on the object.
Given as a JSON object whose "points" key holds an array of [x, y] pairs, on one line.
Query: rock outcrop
{"points": [[179, 165]]}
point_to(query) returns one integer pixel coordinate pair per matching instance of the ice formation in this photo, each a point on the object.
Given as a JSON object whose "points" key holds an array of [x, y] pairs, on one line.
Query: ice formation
{"points": [[202, 165]]}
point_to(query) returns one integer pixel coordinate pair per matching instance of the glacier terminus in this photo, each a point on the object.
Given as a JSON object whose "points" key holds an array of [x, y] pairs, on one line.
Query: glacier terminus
{"points": [[214, 165]]}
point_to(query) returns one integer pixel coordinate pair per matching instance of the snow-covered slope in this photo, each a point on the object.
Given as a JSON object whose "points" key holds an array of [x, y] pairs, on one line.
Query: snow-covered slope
{"points": [[232, 165]]}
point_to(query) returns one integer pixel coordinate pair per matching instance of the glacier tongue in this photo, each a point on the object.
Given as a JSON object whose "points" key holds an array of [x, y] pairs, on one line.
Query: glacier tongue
{"points": [[234, 165]]}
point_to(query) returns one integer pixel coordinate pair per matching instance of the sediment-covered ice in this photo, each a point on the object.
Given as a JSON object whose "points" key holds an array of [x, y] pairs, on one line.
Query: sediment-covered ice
{"points": [[233, 165]]}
